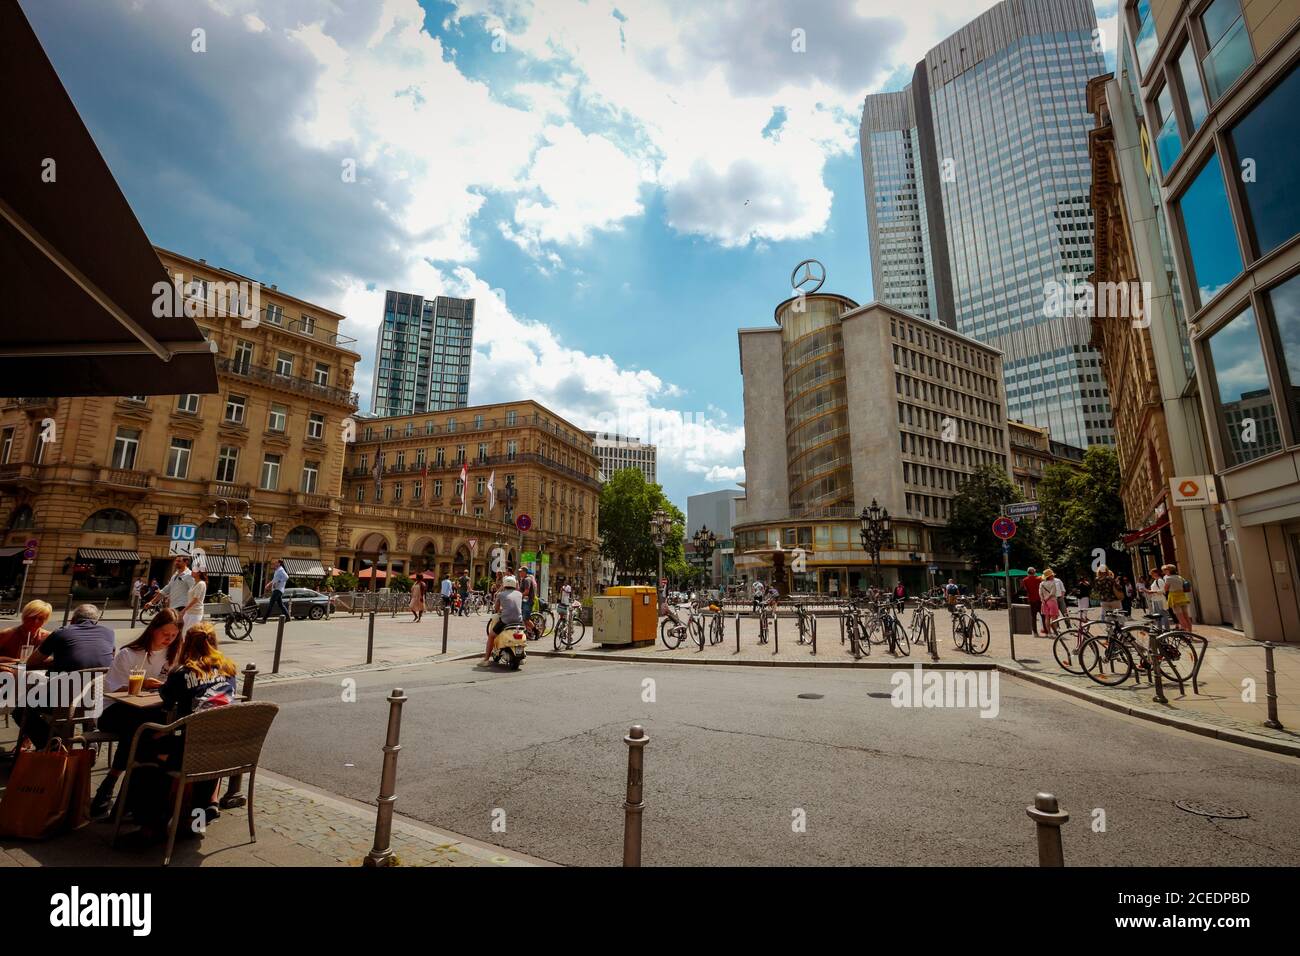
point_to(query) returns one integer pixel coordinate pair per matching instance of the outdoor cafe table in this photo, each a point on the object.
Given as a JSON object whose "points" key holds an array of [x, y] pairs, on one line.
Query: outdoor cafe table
{"points": [[146, 699]]}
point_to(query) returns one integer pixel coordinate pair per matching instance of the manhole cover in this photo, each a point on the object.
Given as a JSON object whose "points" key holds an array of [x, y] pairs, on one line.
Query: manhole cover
{"points": [[1211, 810], [880, 695], [811, 696]]}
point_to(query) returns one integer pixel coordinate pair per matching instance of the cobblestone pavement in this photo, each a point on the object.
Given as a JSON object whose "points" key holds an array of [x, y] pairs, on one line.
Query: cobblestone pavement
{"points": [[296, 826]]}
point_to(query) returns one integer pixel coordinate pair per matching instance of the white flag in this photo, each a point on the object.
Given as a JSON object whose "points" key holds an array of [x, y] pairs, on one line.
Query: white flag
{"points": [[464, 488], [492, 491]]}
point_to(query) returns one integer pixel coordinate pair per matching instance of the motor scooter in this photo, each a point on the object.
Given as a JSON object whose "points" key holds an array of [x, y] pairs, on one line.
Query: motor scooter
{"points": [[510, 647]]}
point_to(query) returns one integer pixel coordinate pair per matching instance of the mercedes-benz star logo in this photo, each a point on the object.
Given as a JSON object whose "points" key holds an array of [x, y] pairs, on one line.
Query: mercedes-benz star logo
{"points": [[810, 280]]}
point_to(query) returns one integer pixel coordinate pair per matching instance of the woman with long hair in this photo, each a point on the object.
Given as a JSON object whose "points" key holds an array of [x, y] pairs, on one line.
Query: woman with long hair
{"points": [[152, 652], [417, 599]]}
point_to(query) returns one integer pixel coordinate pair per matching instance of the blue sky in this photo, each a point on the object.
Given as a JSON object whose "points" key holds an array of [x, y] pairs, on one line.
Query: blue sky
{"points": [[620, 185]]}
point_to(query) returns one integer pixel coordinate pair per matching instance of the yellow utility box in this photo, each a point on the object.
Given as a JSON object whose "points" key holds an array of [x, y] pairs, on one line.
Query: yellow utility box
{"points": [[645, 611]]}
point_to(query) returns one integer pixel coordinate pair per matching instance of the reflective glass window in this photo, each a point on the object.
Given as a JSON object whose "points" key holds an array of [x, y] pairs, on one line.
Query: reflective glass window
{"points": [[1284, 301], [1245, 404], [1211, 237], [1267, 148], [1228, 43]]}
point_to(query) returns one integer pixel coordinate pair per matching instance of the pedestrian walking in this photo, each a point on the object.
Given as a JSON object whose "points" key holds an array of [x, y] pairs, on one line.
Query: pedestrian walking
{"points": [[1156, 603], [1106, 590], [757, 591], [176, 592], [1029, 584], [1129, 594], [1177, 591], [1083, 595], [1051, 592], [417, 600], [445, 590], [192, 609], [464, 593], [279, 581]]}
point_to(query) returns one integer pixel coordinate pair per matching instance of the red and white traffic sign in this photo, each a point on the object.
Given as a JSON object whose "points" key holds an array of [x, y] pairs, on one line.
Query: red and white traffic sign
{"points": [[1004, 528], [523, 522]]}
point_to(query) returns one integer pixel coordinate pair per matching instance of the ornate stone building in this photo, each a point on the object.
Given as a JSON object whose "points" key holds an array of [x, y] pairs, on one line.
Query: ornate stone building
{"points": [[101, 497], [403, 504]]}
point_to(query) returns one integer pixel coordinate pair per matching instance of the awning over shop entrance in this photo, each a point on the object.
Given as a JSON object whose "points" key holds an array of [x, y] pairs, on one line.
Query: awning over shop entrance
{"points": [[223, 564], [79, 274], [303, 567], [107, 554], [10, 552], [1147, 531]]}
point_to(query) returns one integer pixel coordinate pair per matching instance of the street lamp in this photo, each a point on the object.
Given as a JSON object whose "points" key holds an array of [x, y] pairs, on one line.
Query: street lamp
{"points": [[659, 525], [875, 532], [224, 513], [706, 542]]}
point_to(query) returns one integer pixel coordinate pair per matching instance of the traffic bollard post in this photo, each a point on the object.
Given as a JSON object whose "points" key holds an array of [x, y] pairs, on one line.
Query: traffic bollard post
{"points": [[1049, 817], [634, 805], [1270, 687], [381, 854], [370, 639], [279, 641]]}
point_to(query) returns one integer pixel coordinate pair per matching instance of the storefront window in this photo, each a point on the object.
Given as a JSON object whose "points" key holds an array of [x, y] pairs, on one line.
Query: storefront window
{"points": [[1211, 237], [1267, 151], [1284, 302], [1246, 410]]}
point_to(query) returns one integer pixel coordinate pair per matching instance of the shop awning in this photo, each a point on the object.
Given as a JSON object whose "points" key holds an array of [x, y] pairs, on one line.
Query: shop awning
{"points": [[74, 261], [10, 552], [303, 567], [223, 564], [1147, 531], [107, 554]]}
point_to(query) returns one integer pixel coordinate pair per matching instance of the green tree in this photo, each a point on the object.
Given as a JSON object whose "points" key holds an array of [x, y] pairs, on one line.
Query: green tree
{"points": [[971, 514], [626, 503], [1081, 512]]}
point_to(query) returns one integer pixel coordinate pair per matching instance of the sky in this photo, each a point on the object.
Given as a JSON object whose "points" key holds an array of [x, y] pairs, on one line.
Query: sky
{"points": [[620, 185]]}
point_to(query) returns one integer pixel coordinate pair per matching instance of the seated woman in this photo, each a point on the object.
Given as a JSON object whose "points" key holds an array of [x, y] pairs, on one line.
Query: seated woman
{"points": [[201, 677], [29, 632], [152, 652]]}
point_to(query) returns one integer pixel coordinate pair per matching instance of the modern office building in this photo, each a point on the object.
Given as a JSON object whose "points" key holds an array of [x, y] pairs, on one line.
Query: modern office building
{"points": [[617, 452], [422, 355], [1201, 109], [845, 404], [976, 179], [102, 497], [715, 510]]}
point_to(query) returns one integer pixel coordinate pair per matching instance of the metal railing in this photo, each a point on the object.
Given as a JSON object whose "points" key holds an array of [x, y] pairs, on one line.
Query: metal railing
{"points": [[303, 386]]}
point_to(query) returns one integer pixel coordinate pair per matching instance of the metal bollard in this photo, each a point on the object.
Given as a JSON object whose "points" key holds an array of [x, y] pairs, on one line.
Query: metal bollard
{"points": [[1153, 650], [841, 629], [1049, 816], [67, 609], [233, 798], [135, 609], [635, 803], [814, 630], [446, 617], [279, 641], [776, 634], [381, 854], [370, 639], [1270, 691], [737, 632]]}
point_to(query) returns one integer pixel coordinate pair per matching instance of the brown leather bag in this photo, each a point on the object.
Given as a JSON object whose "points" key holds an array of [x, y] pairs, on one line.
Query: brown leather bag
{"points": [[48, 792]]}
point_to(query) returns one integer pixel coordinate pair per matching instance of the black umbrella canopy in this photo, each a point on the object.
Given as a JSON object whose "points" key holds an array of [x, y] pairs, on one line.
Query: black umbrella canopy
{"points": [[78, 277]]}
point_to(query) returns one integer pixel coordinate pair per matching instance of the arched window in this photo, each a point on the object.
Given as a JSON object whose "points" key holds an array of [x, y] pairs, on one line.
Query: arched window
{"points": [[302, 537], [22, 518], [111, 521]]}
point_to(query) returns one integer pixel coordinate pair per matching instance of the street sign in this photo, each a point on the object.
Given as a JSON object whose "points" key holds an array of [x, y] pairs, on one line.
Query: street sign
{"points": [[1021, 509], [29, 550], [182, 542], [523, 522], [1004, 528], [1198, 491], [1006, 547], [933, 569]]}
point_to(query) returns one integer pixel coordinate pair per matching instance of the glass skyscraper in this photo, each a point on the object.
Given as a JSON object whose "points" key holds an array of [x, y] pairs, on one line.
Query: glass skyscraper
{"points": [[977, 182], [422, 354]]}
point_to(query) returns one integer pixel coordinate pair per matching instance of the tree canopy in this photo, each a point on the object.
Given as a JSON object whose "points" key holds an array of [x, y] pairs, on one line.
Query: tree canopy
{"points": [[626, 503]]}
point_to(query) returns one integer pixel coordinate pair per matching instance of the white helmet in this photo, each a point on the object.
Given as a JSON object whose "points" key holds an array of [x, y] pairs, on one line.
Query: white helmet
{"points": [[509, 581]]}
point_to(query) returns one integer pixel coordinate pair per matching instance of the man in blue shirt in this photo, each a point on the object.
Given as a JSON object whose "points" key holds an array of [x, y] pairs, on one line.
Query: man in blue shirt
{"points": [[276, 586], [84, 643], [446, 590]]}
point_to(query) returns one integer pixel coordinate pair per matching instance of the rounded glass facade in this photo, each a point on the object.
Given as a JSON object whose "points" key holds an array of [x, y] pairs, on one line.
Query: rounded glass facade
{"points": [[816, 404]]}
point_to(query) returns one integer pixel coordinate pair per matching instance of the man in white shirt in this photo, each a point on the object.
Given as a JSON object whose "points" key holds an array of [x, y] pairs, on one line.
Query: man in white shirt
{"points": [[566, 594], [279, 580], [177, 589]]}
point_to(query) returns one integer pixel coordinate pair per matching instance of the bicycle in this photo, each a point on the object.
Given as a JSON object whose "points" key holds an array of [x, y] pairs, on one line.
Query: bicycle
{"points": [[1069, 633], [854, 631], [892, 628], [237, 620], [569, 628], [716, 627], [1110, 658], [672, 629], [969, 633], [765, 615], [806, 624]]}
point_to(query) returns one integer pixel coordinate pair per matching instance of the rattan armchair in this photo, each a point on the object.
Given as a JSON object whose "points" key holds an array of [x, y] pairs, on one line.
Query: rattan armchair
{"points": [[219, 742]]}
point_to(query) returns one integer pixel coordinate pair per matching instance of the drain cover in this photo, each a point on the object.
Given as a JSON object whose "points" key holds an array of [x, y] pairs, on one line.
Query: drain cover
{"points": [[811, 696], [1213, 810], [880, 696]]}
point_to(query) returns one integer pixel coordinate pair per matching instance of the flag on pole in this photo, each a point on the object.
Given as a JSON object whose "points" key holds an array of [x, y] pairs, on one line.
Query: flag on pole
{"points": [[464, 488], [492, 491], [378, 472]]}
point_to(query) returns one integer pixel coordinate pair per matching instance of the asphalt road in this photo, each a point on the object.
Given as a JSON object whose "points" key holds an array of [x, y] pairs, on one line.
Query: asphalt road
{"points": [[736, 758]]}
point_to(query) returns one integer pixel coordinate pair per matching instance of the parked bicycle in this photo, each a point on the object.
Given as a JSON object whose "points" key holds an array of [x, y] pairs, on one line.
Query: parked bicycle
{"points": [[806, 624], [969, 633], [569, 628], [1115, 651]]}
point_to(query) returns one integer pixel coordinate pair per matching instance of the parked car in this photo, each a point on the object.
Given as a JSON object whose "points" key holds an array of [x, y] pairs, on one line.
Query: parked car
{"points": [[301, 602]]}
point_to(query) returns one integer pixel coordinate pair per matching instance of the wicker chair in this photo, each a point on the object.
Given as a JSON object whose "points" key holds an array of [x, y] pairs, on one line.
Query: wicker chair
{"points": [[218, 743], [72, 720]]}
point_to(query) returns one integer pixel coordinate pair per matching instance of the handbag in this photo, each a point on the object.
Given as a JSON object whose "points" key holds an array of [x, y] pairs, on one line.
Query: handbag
{"points": [[48, 791]]}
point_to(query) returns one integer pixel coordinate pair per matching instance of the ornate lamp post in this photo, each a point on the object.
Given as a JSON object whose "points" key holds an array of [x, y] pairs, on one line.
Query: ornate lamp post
{"points": [[706, 542], [659, 525], [875, 532], [224, 512]]}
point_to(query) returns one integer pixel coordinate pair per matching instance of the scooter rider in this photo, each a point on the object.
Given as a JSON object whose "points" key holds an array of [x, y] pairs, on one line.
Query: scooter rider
{"points": [[509, 608]]}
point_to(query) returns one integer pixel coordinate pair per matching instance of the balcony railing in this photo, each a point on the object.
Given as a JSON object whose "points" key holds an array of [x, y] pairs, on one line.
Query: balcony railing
{"points": [[222, 489], [303, 386], [127, 478], [489, 462], [314, 502]]}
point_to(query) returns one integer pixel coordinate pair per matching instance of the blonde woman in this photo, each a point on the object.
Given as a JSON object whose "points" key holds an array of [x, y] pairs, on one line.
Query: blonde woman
{"points": [[1175, 588], [29, 632]]}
